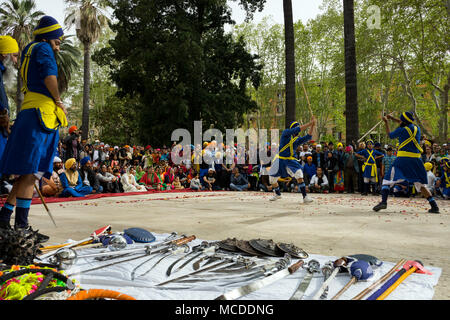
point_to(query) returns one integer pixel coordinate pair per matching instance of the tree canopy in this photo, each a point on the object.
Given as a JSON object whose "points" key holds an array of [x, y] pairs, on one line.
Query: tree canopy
{"points": [[175, 58]]}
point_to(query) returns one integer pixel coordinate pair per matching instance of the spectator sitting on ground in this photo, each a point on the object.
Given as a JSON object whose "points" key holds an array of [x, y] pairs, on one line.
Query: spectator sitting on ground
{"points": [[150, 180], [88, 176], [177, 184], [210, 180], [52, 187], [195, 183], [108, 181], [401, 189], [238, 181], [71, 181], [319, 182], [129, 183]]}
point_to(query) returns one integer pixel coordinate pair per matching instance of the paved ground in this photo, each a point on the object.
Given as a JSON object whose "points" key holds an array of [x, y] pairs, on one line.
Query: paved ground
{"points": [[333, 225]]}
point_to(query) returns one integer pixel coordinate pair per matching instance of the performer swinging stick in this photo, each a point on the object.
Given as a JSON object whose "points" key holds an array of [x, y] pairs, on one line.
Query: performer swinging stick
{"points": [[285, 164], [408, 165]]}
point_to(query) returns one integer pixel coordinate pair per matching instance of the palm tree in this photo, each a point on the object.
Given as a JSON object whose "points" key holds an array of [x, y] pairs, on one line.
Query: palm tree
{"points": [[351, 92], [89, 18], [19, 18], [67, 61], [290, 61]]}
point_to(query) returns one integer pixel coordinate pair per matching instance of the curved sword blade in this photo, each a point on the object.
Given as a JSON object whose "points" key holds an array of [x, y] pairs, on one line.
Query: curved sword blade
{"points": [[195, 272]]}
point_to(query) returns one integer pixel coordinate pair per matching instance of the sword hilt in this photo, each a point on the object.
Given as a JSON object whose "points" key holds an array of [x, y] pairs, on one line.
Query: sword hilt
{"points": [[296, 266], [182, 241]]}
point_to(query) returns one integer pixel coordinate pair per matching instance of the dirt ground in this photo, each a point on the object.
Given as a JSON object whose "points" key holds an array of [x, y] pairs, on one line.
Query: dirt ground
{"points": [[334, 225]]}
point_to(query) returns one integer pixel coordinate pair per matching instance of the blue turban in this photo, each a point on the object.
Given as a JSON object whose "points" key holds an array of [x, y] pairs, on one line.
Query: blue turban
{"points": [[407, 117], [294, 124], [49, 29], [85, 160]]}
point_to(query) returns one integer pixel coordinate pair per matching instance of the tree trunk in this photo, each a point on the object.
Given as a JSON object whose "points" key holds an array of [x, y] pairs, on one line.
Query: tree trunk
{"points": [[444, 112], [290, 62], [351, 92], [86, 91]]}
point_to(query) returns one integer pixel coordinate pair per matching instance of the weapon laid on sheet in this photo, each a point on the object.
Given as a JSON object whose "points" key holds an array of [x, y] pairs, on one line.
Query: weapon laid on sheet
{"points": [[258, 284], [312, 267], [379, 281], [171, 251], [359, 270]]}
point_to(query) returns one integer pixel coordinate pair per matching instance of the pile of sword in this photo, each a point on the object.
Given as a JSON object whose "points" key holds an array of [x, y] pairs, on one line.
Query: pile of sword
{"points": [[237, 272]]}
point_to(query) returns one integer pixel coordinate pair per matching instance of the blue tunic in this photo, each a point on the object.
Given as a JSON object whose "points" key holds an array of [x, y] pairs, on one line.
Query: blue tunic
{"points": [[370, 164], [31, 148], [408, 168], [285, 159]]}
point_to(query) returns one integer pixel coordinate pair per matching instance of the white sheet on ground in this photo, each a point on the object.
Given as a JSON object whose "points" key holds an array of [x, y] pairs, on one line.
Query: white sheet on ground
{"points": [[118, 278]]}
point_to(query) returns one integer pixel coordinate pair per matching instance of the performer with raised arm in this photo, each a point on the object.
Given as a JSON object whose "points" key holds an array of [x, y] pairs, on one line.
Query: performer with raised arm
{"points": [[408, 166], [32, 145], [285, 164]]}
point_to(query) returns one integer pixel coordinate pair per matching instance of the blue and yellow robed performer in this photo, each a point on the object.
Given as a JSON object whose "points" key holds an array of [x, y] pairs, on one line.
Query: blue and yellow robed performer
{"points": [[34, 137], [408, 165], [285, 164], [369, 168]]}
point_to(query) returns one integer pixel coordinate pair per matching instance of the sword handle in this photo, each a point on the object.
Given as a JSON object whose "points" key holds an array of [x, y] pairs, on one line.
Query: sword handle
{"points": [[184, 240], [296, 266]]}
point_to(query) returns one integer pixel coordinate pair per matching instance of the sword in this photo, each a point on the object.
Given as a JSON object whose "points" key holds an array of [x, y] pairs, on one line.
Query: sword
{"points": [[171, 251], [220, 263], [203, 246], [329, 273], [312, 267], [247, 289], [45, 205]]}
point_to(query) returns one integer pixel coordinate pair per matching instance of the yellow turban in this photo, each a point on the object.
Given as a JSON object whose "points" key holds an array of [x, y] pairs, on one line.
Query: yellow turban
{"points": [[69, 163], [428, 166], [340, 145], [8, 45]]}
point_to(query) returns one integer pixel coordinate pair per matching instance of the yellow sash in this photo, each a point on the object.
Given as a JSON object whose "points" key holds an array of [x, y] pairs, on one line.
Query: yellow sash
{"points": [[373, 165], [290, 145], [412, 138], [50, 115], [447, 180]]}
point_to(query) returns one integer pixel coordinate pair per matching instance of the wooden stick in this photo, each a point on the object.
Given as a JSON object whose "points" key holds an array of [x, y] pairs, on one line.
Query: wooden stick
{"points": [[352, 281], [379, 281], [373, 128], [45, 205], [306, 94]]}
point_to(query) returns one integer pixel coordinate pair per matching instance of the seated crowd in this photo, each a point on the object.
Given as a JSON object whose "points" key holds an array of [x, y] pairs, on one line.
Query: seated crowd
{"points": [[81, 169]]}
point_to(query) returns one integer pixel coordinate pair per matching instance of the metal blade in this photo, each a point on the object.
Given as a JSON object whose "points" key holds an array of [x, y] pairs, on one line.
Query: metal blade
{"points": [[169, 269], [313, 267], [195, 272], [188, 261], [298, 295], [242, 291]]}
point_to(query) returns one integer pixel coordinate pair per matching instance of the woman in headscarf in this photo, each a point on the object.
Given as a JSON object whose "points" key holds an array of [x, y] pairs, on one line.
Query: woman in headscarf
{"points": [[71, 181]]}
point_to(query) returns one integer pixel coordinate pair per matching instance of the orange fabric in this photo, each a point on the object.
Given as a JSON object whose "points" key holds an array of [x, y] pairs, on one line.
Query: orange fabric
{"points": [[100, 294]]}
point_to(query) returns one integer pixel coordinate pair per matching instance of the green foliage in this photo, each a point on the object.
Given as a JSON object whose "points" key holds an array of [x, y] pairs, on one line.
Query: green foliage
{"points": [[182, 66]]}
